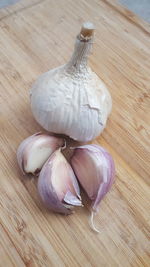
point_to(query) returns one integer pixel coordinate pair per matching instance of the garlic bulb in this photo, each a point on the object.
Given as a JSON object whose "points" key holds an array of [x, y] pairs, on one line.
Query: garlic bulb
{"points": [[34, 151], [95, 170], [72, 99], [57, 185]]}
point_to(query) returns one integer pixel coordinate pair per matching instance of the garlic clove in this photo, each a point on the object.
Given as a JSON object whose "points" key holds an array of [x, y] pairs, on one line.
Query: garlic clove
{"points": [[57, 185], [20, 150], [95, 170], [34, 151]]}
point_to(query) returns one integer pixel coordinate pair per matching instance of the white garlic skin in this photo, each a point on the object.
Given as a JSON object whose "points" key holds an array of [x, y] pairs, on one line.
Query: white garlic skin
{"points": [[71, 99]]}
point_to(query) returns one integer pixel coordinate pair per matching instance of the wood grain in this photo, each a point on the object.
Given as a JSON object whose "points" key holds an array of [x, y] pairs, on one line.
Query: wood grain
{"points": [[39, 35]]}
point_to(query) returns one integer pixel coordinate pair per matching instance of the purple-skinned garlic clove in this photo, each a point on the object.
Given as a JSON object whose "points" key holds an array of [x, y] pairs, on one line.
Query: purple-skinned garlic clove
{"points": [[34, 151], [94, 167], [57, 185]]}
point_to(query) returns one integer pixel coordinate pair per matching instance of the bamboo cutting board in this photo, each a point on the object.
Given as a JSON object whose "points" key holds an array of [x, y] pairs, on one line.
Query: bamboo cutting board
{"points": [[39, 35]]}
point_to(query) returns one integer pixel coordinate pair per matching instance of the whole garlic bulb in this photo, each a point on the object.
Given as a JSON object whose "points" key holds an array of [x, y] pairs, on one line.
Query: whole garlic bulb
{"points": [[72, 99]]}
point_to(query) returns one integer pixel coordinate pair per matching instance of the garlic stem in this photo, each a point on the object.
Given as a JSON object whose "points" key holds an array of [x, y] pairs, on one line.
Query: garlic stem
{"points": [[92, 222], [83, 45]]}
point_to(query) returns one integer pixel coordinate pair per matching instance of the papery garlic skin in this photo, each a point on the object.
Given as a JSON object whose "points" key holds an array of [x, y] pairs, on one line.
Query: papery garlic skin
{"points": [[71, 99], [57, 185], [34, 151], [95, 170]]}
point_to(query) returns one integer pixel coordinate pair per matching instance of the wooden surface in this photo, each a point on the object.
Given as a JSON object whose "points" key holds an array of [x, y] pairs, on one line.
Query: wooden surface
{"points": [[39, 35]]}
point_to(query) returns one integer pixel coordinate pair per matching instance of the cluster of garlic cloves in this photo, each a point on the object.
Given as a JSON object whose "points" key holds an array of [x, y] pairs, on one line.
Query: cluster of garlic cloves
{"points": [[58, 186]]}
